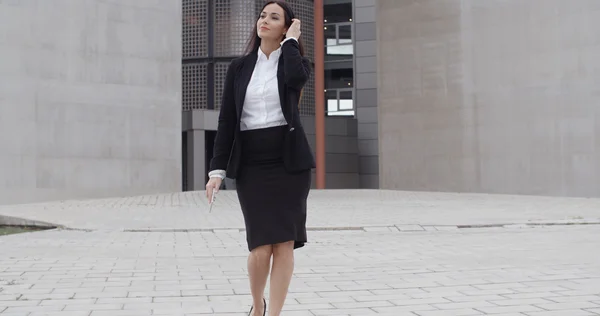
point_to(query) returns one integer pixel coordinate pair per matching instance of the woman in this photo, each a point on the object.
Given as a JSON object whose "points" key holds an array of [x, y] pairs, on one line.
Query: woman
{"points": [[261, 143]]}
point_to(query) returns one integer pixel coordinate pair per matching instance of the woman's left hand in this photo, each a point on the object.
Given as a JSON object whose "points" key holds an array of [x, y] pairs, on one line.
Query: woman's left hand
{"points": [[294, 29]]}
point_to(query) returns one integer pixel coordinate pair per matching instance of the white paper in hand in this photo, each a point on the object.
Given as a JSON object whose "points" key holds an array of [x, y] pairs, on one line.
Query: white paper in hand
{"points": [[212, 200]]}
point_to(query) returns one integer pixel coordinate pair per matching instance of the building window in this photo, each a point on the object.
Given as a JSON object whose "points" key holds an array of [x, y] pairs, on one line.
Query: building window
{"points": [[338, 42], [339, 56], [339, 87], [337, 12], [340, 102], [339, 78]]}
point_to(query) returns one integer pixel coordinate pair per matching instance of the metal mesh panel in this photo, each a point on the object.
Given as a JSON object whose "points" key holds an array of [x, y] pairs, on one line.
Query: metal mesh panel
{"points": [[195, 28], [220, 74], [184, 161], [307, 104], [234, 20], [304, 11], [194, 87]]}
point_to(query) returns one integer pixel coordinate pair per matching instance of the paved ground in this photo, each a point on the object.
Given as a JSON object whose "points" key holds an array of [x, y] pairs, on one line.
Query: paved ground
{"points": [[327, 209], [380, 269]]}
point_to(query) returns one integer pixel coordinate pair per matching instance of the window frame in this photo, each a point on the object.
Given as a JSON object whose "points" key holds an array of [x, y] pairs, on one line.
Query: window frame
{"points": [[337, 37], [338, 99], [352, 90]]}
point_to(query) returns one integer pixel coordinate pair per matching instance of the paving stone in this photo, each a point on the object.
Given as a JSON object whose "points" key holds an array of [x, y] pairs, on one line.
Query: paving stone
{"points": [[573, 312], [451, 312], [327, 209], [426, 272]]}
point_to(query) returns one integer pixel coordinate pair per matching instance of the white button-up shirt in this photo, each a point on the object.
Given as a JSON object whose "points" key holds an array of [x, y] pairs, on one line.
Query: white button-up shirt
{"points": [[262, 107]]}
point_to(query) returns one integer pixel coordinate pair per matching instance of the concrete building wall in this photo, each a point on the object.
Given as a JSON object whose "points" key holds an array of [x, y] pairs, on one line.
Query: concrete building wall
{"points": [[489, 96], [89, 98], [341, 151], [365, 69]]}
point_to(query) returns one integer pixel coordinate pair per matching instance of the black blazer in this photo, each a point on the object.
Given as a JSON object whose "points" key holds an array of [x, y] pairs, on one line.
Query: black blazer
{"points": [[293, 72]]}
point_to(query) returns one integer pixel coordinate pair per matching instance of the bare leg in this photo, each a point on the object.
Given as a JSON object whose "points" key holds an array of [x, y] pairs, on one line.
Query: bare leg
{"points": [[281, 276], [259, 264]]}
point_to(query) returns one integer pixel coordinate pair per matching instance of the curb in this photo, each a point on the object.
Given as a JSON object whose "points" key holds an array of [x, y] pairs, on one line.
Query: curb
{"points": [[394, 228], [22, 222]]}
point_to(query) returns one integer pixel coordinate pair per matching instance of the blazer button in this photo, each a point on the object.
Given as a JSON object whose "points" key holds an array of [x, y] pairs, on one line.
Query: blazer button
{"points": [[292, 129]]}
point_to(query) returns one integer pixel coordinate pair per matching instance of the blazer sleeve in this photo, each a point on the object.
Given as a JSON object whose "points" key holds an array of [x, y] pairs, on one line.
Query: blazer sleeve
{"points": [[227, 123], [296, 67]]}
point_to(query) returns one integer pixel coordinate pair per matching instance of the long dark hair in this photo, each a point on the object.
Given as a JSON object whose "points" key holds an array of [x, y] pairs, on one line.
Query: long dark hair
{"points": [[254, 41]]}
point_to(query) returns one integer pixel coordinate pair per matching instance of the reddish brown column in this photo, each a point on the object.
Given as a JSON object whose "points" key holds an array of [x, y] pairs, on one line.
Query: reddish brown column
{"points": [[319, 73]]}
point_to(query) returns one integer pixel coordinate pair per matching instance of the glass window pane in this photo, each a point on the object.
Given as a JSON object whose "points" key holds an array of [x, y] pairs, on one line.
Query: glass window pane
{"points": [[346, 101], [345, 36], [331, 100], [339, 78], [330, 36], [346, 105], [332, 106], [343, 52], [346, 95], [339, 12]]}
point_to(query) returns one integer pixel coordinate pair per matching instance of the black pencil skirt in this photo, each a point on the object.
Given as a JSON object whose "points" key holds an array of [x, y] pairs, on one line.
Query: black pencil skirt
{"points": [[273, 201]]}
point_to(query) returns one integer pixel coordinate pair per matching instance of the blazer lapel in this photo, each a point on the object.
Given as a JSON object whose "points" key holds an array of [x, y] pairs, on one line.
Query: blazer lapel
{"points": [[244, 79], [281, 87]]}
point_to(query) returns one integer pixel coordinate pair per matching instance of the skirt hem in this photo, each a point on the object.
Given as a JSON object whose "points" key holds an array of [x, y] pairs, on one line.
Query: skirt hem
{"points": [[297, 244]]}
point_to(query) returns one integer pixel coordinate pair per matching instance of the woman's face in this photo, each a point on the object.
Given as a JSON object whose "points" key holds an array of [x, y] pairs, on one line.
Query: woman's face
{"points": [[271, 23]]}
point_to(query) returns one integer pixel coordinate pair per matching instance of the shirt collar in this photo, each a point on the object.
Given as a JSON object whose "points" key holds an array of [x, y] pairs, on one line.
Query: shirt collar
{"points": [[274, 55]]}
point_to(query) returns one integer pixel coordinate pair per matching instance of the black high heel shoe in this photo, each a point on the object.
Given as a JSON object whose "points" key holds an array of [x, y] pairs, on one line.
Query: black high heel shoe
{"points": [[264, 310]]}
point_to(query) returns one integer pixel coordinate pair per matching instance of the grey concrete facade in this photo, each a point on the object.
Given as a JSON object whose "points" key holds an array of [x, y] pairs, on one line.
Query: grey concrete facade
{"points": [[341, 153], [365, 69], [89, 99], [489, 96]]}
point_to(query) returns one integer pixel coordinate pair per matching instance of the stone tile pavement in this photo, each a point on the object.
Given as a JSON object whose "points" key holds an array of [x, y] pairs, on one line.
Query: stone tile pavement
{"points": [[327, 209], [507, 272], [406, 258]]}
